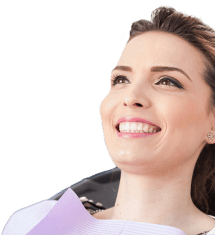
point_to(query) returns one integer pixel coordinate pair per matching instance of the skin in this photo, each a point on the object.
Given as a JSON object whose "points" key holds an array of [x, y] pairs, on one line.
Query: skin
{"points": [[156, 172]]}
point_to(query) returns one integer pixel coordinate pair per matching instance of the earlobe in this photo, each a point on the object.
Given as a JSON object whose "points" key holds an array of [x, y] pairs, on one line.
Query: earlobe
{"points": [[211, 138]]}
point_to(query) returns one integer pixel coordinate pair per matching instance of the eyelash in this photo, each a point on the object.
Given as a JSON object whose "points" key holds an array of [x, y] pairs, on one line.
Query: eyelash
{"points": [[115, 78]]}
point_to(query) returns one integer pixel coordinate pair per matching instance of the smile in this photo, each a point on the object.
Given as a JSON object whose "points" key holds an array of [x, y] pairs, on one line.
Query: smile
{"points": [[134, 135], [136, 130], [135, 127]]}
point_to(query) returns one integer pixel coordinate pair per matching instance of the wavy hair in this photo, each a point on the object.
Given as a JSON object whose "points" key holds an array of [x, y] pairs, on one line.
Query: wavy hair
{"points": [[200, 35]]}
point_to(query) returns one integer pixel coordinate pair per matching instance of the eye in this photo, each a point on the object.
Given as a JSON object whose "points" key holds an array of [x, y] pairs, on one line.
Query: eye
{"points": [[116, 78], [170, 80]]}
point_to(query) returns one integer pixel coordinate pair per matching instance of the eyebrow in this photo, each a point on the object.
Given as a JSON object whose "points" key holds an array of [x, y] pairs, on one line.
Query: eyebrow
{"points": [[153, 69]]}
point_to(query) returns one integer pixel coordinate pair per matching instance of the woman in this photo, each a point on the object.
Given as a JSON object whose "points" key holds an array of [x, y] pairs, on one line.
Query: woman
{"points": [[165, 76]]}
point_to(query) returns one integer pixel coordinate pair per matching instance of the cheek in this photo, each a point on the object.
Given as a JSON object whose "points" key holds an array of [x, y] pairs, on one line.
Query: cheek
{"points": [[186, 115], [107, 108]]}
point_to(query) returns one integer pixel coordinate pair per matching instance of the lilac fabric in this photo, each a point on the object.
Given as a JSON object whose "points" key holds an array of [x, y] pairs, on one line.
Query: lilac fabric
{"points": [[69, 216]]}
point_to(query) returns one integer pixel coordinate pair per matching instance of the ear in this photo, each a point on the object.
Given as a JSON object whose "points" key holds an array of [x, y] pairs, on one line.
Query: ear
{"points": [[211, 136]]}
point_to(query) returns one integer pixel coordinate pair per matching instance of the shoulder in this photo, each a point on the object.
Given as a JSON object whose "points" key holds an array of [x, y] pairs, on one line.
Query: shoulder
{"points": [[23, 220]]}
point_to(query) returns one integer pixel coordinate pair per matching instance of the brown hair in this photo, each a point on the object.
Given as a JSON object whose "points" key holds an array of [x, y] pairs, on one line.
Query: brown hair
{"points": [[200, 35]]}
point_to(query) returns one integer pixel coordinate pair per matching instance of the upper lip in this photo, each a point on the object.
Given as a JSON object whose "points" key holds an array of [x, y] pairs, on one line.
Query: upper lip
{"points": [[135, 119]]}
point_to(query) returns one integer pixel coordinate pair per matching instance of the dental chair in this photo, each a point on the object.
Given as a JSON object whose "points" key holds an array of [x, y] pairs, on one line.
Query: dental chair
{"points": [[101, 187]]}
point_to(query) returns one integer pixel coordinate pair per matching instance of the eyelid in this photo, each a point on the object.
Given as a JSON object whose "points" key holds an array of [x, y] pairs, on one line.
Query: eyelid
{"points": [[163, 76], [171, 78], [176, 83]]}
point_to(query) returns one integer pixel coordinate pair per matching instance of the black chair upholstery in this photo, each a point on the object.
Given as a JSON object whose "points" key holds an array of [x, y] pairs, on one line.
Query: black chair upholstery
{"points": [[101, 187]]}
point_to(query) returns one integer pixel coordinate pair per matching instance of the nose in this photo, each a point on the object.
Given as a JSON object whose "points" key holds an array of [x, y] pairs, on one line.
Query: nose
{"points": [[135, 104], [132, 101], [137, 94]]}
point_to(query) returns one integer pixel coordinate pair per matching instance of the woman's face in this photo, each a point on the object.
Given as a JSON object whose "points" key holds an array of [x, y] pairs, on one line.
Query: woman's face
{"points": [[180, 113]]}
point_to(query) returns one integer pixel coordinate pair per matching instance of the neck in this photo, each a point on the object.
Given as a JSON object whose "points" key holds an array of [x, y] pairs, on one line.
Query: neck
{"points": [[164, 200]]}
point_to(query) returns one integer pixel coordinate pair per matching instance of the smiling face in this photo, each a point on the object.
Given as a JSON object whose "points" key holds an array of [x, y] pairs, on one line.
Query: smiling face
{"points": [[181, 113]]}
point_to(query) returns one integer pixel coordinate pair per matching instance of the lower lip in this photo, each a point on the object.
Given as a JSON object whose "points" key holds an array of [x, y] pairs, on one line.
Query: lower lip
{"points": [[134, 135]]}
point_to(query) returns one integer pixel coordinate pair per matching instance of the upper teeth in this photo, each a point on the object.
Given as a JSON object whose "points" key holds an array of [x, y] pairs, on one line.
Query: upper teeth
{"points": [[137, 127]]}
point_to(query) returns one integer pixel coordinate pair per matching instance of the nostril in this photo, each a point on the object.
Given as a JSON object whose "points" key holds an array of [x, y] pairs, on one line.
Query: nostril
{"points": [[138, 105]]}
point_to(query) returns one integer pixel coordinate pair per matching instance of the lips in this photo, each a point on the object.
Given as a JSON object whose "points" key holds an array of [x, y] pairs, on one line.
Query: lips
{"points": [[134, 119]]}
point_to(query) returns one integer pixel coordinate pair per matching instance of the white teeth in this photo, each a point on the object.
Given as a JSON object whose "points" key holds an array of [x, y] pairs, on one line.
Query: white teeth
{"points": [[127, 126], [146, 128], [140, 126], [137, 127], [133, 126]]}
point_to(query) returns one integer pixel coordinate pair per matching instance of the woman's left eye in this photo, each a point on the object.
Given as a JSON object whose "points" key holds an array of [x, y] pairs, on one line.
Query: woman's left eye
{"points": [[177, 84], [116, 78]]}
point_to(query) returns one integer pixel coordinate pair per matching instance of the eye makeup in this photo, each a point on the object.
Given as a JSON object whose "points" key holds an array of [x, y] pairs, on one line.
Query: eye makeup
{"points": [[116, 77]]}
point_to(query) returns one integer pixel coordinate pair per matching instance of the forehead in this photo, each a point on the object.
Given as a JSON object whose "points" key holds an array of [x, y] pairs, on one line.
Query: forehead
{"points": [[162, 49]]}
